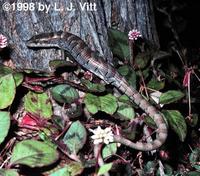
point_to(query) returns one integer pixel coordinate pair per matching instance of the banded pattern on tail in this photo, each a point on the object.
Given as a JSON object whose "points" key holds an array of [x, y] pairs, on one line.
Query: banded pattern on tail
{"points": [[88, 60]]}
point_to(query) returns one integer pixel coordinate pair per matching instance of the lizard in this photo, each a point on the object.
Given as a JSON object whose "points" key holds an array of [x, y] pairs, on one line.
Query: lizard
{"points": [[87, 58]]}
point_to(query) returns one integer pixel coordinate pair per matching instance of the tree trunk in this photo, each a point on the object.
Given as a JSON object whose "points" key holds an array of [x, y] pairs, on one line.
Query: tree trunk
{"points": [[19, 24]]}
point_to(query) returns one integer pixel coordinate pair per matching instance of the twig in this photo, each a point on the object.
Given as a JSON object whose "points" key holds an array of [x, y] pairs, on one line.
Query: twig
{"points": [[97, 154], [64, 130], [161, 168], [8, 146], [6, 161], [179, 55], [120, 158], [132, 52], [144, 85], [196, 75]]}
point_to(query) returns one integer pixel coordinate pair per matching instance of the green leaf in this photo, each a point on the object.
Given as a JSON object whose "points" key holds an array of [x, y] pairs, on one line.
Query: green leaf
{"points": [[33, 153], [129, 74], [177, 123], [92, 103], [145, 73], [107, 103], [64, 93], [75, 168], [142, 60], [195, 158], [155, 84], [194, 120], [123, 70], [46, 136], [54, 64], [124, 99], [59, 121], [4, 125], [8, 172], [4, 70], [125, 111], [18, 77], [131, 78], [7, 91], [170, 96], [71, 169], [150, 122], [167, 169], [109, 150], [75, 137], [93, 86], [39, 72], [149, 168], [192, 173], [118, 42], [104, 169], [38, 104], [61, 172]]}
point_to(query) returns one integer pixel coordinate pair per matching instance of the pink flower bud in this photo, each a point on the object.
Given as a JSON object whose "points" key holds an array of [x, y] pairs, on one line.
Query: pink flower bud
{"points": [[134, 34], [186, 79], [3, 41]]}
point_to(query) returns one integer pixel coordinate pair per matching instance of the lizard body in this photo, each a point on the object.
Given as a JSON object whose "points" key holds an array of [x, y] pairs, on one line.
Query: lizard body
{"points": [[95, 64]]}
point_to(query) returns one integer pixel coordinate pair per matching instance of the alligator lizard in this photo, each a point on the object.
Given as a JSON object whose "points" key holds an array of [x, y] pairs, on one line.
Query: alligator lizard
{"points": [[95, 64]]}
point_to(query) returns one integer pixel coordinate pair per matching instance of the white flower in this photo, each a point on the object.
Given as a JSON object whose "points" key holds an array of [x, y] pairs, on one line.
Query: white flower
{"points": [[155, 97], [134, 34], [102, 135]]}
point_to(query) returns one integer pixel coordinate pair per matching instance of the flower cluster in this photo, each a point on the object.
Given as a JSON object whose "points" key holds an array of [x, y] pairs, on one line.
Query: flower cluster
{"points": [[134, 34], [3, 41], [102, 135]]}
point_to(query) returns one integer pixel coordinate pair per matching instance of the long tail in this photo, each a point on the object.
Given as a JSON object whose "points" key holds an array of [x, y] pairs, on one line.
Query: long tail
{"points": [[161, 132], [87, 59]]}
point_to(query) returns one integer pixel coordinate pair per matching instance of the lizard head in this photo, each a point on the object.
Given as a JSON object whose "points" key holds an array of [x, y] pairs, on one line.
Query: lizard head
{"points": [[44, 40]]}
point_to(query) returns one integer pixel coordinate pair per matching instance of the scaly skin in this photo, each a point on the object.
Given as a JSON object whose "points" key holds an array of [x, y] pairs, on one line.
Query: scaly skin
{"points": [[88, 60]]}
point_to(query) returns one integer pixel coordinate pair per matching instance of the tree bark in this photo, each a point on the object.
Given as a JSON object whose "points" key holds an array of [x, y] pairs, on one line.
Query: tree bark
{"points": [[20, 24]]}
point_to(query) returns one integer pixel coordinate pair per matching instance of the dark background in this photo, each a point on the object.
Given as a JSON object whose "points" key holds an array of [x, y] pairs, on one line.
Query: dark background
{"points": [[186, 19]]}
